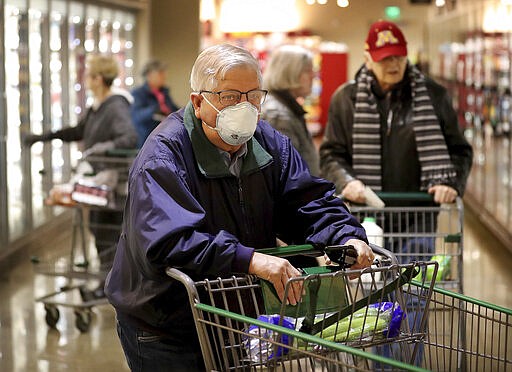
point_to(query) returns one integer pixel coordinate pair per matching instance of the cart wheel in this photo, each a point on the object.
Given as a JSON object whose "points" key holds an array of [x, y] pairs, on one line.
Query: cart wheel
{"points": [[52, 315], [83, 320]]}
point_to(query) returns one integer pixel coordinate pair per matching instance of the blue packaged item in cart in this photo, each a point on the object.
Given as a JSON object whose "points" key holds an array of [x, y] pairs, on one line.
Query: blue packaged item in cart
{"points": [[258, 349], [396, 317]]}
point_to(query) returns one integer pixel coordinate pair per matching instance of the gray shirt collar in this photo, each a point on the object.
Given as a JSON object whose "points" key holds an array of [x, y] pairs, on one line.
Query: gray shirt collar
{"points": [[234, 162]]}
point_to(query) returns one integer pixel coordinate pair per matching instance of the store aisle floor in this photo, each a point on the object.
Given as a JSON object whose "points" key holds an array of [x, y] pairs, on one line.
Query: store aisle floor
{"points": [[487, 264], [27, 344]]}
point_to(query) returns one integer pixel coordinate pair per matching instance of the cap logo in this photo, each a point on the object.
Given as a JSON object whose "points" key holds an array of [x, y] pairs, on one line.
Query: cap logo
{"points": [[385, 37]]}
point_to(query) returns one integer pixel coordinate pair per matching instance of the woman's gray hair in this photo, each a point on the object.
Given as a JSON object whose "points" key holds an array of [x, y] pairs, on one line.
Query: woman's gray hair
{"points": [[214, 62], [286, 64]]}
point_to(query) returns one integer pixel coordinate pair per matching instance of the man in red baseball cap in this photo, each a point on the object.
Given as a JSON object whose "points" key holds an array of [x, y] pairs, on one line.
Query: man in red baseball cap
{"points": [[386, 53], [393, 129], [385, 39]]}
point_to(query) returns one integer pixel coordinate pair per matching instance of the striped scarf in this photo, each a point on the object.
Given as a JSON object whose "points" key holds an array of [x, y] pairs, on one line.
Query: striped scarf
{"points": [[436, 166]]}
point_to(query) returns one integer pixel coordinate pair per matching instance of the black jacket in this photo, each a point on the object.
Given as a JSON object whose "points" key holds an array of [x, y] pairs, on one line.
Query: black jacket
{"points": [[401, 169]]}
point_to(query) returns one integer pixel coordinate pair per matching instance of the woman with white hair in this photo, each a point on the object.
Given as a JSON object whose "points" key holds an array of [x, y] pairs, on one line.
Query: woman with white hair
{"points": [[288, 78]]}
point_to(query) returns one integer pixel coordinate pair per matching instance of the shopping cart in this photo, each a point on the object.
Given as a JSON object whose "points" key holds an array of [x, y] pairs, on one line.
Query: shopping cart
{"points": [[466, 334], [344, 316], [96, 210], [415, 229]]}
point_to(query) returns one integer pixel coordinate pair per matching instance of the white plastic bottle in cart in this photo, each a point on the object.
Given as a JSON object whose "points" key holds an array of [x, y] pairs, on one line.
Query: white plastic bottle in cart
{"points": [[375, 236], [374, 232]]}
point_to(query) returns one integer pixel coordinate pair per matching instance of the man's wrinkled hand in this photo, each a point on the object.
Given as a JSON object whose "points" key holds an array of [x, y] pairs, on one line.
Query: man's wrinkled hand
{"points": [[277, 271], [365, 255]]}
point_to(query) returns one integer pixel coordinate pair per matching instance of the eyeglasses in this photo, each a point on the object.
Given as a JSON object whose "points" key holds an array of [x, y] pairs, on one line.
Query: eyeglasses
{"points": [[233, 96]]}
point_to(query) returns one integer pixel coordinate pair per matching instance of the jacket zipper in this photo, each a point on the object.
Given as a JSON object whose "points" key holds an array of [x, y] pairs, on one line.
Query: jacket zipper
{"points": [[242, 206], [389, 122]]}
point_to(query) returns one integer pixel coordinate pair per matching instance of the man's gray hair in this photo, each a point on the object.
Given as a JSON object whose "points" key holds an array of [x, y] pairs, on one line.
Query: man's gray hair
{"points": [[214, 62], [285, 67]]}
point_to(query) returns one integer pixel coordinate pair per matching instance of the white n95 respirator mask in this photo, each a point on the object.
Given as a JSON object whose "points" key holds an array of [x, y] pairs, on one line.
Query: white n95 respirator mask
{"points": [[235, 124]]}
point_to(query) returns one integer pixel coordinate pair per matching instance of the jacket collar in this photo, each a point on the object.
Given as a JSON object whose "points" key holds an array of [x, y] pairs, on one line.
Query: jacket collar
{"points": [[209, 159], [285, 97]]}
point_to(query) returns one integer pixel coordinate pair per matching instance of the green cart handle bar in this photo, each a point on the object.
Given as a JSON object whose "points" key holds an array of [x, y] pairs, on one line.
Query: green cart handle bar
{"points": [[317, 250], [293, 250], [405, 196]]}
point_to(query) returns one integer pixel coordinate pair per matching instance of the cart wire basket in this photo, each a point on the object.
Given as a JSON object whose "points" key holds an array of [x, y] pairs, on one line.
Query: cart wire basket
{"points": [[347, 319], [466, 334], [416, 229]]}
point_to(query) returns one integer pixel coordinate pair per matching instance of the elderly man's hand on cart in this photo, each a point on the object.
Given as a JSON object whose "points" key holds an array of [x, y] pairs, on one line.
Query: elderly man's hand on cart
{"points": [[365, 256], [277, 271]]}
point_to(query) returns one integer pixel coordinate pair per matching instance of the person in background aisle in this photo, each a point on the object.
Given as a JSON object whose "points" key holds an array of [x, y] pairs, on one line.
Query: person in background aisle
{"points": [[106, 125], [289, 78], [152, 102], [211, 185], [393, 129]]}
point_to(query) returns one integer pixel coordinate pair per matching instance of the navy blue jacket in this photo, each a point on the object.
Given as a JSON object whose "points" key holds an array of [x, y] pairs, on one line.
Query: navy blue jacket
{"points": [[144, 109], [186, 210]]}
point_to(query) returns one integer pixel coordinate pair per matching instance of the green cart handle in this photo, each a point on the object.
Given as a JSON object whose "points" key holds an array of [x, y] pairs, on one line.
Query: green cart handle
{"points": [[405, 196], [311, 250], [292, 250]]}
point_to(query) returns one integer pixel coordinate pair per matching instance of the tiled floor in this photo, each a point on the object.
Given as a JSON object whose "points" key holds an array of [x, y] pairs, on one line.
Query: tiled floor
{"points": [[490, 182], [27, 344]]}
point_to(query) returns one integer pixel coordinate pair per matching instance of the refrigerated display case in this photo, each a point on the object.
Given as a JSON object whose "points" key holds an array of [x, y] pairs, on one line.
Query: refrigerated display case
{"points": [[43, 52], [486, 115], [18, 100]]}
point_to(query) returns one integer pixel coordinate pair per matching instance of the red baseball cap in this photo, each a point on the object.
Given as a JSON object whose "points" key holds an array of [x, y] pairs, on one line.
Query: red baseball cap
{"points": [[385, 39]]}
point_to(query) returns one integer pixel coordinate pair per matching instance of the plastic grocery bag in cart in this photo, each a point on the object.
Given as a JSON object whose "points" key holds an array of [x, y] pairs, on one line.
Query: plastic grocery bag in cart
{"points": [[259, 347], [376, 319]]}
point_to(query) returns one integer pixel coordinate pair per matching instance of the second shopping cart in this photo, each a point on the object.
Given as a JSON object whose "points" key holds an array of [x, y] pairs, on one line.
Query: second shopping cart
{"points": [[414, 228], [96, 201]]}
